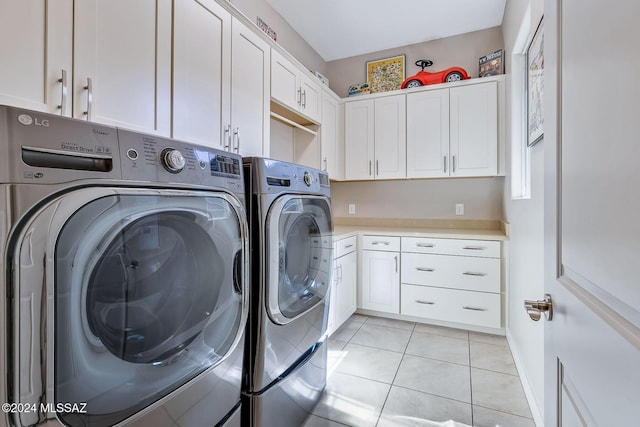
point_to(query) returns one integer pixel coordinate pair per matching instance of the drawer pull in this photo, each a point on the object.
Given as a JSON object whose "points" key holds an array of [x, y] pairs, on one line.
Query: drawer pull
{"points": [[348, 246], [472, 273], [425, 302], [475, 248], [380, 242], [430, 270], [466, 307], [425, 245]]}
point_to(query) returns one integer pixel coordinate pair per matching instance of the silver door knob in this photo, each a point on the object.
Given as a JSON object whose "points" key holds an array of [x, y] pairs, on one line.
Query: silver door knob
{"points": [[536, 308]]}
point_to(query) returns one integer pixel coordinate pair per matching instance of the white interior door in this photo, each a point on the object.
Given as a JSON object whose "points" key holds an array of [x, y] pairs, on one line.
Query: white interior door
{"points": [[592, 344]]}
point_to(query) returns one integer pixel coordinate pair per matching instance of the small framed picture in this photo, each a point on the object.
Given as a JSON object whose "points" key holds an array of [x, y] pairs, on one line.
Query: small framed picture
{"points": [[385, 74], [535, 87]]}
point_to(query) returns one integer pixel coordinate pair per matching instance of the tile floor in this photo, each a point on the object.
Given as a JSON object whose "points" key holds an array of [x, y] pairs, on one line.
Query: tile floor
{"points": [[388, 373]]}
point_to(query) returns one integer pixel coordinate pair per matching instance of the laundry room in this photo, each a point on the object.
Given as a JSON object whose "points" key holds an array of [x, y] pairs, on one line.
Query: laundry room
{"points": [[284, 213]]}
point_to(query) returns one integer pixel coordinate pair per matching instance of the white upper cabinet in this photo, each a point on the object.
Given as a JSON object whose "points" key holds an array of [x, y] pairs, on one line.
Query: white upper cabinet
{"points": [[359, 139], [202, 73], [331, 142], [428, 134], [375, 138], [122, 63], [474, 130], [293, 89], [35, 53], [108, 62], [250, 79], [390, 137]]}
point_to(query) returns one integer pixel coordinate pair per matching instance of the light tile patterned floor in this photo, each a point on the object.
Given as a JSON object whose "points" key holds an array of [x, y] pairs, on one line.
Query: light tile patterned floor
{"points": [[388, 373]]}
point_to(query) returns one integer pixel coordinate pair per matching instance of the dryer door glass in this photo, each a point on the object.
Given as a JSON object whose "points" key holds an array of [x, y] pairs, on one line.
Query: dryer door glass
{"points": [[304, 258], [148, 295]]}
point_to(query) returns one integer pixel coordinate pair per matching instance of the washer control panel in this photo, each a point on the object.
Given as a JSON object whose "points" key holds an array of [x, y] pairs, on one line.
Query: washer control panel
{"points": [[157, 159]]}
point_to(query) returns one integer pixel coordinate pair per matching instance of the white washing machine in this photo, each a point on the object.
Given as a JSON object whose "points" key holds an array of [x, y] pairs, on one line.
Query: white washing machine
{"points": [[291, 243], [125, 274]]}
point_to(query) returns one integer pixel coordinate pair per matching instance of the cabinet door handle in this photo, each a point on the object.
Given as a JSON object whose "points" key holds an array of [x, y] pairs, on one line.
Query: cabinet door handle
{"points": [[445, 164], [299, 96], [419, 301], [425, 245], [63, 92], [325, 164], [380, 242], [89, 89], [340, 269], [429, 270], [475, 248], [236, 136], [304, 99], [466, 307], [396, 259], [453, 170], [473, 273], [227, 132], [369, 167], [377, 168]]}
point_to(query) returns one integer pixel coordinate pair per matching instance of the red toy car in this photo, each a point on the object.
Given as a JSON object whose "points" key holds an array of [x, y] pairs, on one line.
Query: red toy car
{"points": [[423, 78]]}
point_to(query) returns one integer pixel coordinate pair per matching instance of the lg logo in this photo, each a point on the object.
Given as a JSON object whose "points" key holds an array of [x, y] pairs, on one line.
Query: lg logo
{"points": [[27, 120]]}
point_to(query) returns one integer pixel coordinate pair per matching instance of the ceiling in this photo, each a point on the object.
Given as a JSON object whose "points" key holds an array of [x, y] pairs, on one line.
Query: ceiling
{"points": [[339, 29]]}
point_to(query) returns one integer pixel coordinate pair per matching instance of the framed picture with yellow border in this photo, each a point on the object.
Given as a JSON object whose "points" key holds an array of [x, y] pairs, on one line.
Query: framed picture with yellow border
{"points": [[385, 74]]}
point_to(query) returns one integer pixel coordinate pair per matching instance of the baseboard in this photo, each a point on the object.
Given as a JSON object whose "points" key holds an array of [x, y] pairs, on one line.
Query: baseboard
{"points": [[536, 413]]}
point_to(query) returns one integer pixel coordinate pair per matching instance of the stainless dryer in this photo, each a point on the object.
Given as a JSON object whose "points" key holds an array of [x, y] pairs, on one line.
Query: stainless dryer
{"points": [[291, 254], [125, 263]]}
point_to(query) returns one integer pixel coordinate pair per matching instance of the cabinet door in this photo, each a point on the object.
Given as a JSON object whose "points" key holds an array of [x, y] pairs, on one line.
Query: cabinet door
{"points": [[311, 98], [122, 63], [359, 139], [201, 73], [36, 50], [381, 281], [474, 130], [345, 288], [390, 137], [250, 79], [285, 85], [428, 134], [332, 153]]}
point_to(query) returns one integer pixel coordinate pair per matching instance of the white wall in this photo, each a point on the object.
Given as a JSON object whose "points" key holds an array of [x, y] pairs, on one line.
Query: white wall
{"points": [[462, 50], [287, 37], [526, 244], [420, 198]]}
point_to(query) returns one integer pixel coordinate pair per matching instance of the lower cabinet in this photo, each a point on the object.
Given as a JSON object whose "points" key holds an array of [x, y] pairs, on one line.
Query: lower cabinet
{"points": [[446, 280], [342, 302], [451, 305], [380, 285], [452, 280]]}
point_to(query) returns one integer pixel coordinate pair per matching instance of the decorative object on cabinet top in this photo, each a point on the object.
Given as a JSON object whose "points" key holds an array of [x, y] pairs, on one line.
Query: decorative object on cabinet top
{"points": [[491, 64], [424, 78], [386, 74]]}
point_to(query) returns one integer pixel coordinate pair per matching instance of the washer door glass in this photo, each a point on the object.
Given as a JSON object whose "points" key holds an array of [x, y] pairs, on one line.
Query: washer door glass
{"points": [[304, 255], [148, 295]]}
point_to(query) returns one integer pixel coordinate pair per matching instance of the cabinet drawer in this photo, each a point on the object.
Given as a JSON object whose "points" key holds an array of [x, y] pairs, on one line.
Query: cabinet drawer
{"points": [[346, 246], [475, 248], [381, 243], [468, 273], [451, 305]]}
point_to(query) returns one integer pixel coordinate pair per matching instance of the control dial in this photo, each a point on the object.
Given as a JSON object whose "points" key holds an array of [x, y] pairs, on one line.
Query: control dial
{"points": [[172, 160], [308, 179]]}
